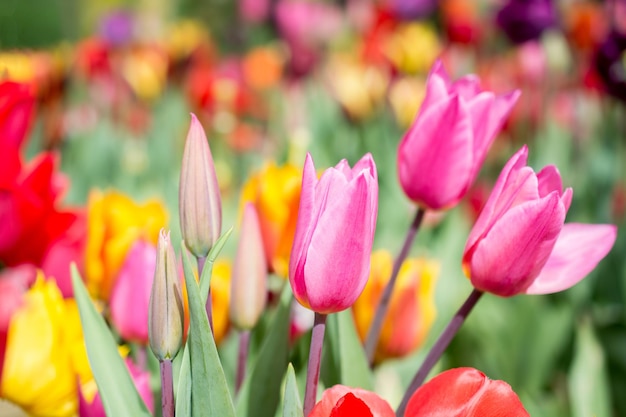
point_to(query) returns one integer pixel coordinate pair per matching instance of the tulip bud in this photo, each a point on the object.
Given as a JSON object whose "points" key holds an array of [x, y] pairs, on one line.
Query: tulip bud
{"points": [[249, 280], [166, 314], [199, 198]]}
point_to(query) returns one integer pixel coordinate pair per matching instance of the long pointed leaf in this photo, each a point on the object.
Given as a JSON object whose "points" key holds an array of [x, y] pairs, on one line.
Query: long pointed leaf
{"points": [[117, 390], [260, 392], [292, 406], [210, 396]]}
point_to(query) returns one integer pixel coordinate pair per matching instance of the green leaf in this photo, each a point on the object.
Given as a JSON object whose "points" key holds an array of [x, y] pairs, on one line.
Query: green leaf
{"points": [[588, 381], [260, 392], [292, 406], [116, 387], [209, 390], [205, 278], [344, 359]]}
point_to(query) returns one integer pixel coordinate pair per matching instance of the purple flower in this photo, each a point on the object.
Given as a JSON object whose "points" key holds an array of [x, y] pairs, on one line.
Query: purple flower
{"points": [[117, 27], [525, 20], [610, 62]]}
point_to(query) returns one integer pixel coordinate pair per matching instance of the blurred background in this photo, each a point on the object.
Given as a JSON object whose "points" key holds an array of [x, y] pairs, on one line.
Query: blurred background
{"points": [[115, 82]]}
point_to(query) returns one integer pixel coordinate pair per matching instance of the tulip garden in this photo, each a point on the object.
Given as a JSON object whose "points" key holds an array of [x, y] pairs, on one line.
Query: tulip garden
{"points": [[313, 208]]}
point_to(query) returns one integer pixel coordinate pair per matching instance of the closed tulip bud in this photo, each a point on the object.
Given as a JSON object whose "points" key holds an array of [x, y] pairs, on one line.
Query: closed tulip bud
{"points": [[465, 392], [199, 198], [166, 314], [441, 154], [519, 243], [330, 257], [249, 279]]}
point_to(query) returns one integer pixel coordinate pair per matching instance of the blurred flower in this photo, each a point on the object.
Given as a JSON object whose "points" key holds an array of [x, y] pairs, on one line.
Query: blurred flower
{"points": [[115, 223], [186, 38], [131, 293], [585, 24], [249, 280], [411, 308], [94, 408], [526, 20], [411, 9], [117, 27], [16, 113], [413, 47], [359, 88], [275, 192], [405, 96], [519, 243], [164, 309], [254, 11], [145, 70], [199, 200], [610, 64], [262, 67], [457, 122], [340, 400], [461, 21], [43, 353], [93, 58], [220, 298], [330, 257], [301, 321], [465, 392]]}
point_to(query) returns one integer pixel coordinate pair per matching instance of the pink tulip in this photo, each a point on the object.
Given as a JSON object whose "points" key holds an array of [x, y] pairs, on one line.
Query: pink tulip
{"points": [[519, 243], [131, 293], [442, 152], [330, 257]]}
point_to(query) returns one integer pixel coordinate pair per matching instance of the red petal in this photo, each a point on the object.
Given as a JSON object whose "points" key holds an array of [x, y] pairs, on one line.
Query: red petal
{"points": [[350, 406]]}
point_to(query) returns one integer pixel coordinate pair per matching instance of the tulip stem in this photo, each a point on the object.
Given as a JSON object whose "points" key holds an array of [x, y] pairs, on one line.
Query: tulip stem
{"points": [[242, 358], [439, 347], [167, 388], [209, 303], [383, 306], [315, 359]]}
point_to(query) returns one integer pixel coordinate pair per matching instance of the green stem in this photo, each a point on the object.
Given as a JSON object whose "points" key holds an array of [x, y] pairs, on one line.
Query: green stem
{"points": [[383, 306], [209, 307], [439, 347], [315, 359], [167, 388]]}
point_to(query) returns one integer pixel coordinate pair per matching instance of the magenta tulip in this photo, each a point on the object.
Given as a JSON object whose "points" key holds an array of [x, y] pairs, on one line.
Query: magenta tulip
{"points": [[442, 152], [131, 293], [330, 257], [519, 243]]}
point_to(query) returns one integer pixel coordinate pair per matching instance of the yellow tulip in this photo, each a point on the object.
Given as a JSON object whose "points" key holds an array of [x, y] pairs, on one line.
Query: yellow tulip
{"points": [[45, 354], [115, 222], [411, 310], [275, 192], [413, 47]]}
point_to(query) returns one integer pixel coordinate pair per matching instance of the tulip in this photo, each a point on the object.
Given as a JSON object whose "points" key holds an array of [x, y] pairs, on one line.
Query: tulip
{"points": [[464, 392], [130, 298], [441, 154], [275, 192], [249, 278], [329, 263], [610, 65], [166, 314], [44, 352], [114, 224], [526, 20], [340, 400], [199, 198], [17, 104], [411, 310], [520, 244]]}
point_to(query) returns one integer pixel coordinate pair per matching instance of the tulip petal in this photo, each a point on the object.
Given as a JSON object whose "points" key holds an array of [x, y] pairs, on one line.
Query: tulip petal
{"points": [[511, 255], [331, 397], [442, 166], [436, 87], [577, 251], [467, 87], [349, 405], [549, 180], [332, 254]]}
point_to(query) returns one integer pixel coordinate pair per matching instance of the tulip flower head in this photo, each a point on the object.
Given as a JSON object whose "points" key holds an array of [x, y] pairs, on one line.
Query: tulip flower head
{"points": [[441, 154], [330, 257], [465, 392], [340, 400], [249, 280], [166, 314], [520, 244], [199, 194]]}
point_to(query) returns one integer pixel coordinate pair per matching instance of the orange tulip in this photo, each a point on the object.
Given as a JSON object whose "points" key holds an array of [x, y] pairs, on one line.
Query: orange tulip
{"points": [[275, 192], [411, 310], [115, 222]]}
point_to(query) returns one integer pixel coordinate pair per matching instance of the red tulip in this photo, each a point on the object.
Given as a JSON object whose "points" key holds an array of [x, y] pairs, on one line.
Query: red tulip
{"points": [[464, 392], [342, 401], [16, 113]]}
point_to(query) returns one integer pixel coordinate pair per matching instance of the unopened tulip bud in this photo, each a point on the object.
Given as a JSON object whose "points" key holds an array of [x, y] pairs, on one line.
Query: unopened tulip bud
{"points": [[199, 194], [249, 280], [166, 314]]}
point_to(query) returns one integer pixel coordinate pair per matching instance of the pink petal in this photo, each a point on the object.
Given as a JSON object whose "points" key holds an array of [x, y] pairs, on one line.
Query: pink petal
{"points": [[578, 250], [549, 180], [435, 156], [436, 87], [467, 87], [337, 264], [511, 255]]}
